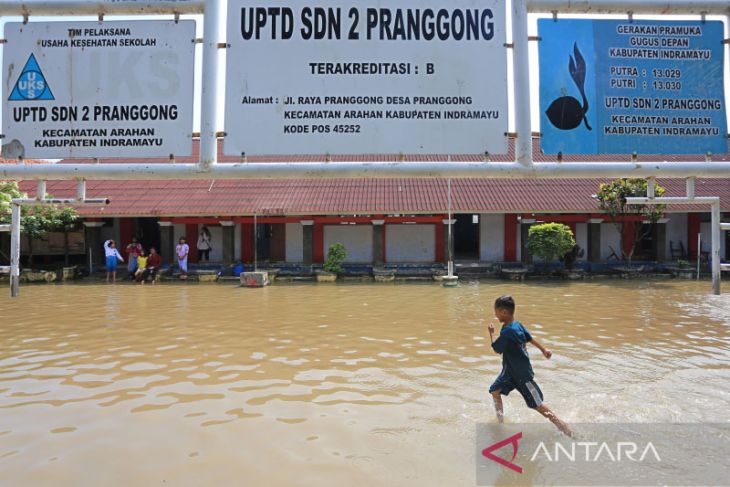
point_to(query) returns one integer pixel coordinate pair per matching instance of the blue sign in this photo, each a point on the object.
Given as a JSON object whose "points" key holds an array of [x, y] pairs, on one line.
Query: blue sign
{"points": [[620, 86], [31, 84]]}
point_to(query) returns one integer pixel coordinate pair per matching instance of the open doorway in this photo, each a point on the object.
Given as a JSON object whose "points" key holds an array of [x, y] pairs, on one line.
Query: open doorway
{"points": [[466, 237], [148, 233]]}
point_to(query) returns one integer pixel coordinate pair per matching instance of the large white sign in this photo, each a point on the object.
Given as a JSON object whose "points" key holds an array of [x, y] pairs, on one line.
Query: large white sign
{"points": [[407, 76], [98, 89]]}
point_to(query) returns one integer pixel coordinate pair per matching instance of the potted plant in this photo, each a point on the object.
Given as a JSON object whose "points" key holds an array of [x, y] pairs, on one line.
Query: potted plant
{"points": [[550, 241], [336, 255]]}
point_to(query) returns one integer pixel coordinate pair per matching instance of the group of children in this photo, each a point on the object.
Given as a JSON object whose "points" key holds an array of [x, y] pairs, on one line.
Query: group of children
{"points": [[141, 266]]}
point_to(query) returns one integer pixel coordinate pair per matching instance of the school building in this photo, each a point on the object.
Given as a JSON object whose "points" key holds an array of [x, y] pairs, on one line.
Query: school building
{"points": [[380, 221]]}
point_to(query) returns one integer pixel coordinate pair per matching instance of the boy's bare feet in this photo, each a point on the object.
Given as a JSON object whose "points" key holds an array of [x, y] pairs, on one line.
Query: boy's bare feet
{"points": [[545, 411]]}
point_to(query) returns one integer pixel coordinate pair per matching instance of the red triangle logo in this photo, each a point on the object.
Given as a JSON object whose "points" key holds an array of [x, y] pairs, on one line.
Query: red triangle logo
{"points": [[487, 452]]}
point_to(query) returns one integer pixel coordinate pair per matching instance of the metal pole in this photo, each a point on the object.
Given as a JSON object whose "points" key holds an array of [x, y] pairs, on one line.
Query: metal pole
{"points": [[521, 74], [209, 96], [15, 251], [715, 255], [255, 245], [450, 265], [108, 7], [371, 170], [62, 201]]}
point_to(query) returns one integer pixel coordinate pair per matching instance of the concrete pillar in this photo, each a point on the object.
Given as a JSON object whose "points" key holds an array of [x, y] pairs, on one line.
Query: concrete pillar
{"points": [[307, 241], [94, 245], [448, 250], [594, 240], [378, 242], [660, 240], [167, 241], [525, 225], [229, 242]]}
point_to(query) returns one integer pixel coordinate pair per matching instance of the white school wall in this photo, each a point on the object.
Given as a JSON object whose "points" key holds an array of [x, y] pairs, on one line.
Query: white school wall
{"points": [[294, 251], [610, 236], [491, 237], [676, 231], [357, 239], [410, 243]]}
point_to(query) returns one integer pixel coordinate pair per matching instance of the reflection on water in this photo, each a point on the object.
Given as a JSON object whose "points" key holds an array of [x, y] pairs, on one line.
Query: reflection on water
{"points": [[329, 384]]}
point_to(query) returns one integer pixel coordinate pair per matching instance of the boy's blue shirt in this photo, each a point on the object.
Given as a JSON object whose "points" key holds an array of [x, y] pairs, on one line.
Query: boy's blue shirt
{"points": [[512, 344]]}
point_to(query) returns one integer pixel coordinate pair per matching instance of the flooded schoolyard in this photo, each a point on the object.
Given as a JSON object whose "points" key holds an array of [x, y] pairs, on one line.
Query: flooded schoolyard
{"points": [[329, 385]]}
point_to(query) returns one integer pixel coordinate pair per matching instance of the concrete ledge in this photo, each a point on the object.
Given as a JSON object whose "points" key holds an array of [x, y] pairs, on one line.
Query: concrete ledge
{"points": [[383, 275], [324, 276], [572, 274], [255, 279], [517, 274], [37, 276], [70, 273], [295, 278]]}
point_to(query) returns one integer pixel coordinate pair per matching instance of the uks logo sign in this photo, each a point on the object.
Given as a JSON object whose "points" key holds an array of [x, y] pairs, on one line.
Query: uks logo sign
{"points": [[487, 452], [31, 84]]}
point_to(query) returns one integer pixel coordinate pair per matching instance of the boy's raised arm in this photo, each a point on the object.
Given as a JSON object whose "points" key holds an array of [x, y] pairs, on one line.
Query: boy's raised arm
{"points": [[547, 353]]}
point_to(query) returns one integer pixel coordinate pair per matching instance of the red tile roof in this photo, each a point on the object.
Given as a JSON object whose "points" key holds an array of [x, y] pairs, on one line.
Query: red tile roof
{"points": [[353, 196], [363, 196]]}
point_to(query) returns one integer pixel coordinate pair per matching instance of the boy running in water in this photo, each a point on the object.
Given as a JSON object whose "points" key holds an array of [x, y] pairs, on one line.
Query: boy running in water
{"points": [[516, 368]]}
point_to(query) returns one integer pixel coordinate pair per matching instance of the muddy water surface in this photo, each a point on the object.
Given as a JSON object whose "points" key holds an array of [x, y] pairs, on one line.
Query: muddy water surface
{"points": [[329, 384]]}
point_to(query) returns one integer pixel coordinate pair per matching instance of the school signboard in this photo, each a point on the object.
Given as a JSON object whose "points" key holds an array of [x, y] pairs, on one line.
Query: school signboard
{"points": [[98, 89], [409, 76], [621, 86]]}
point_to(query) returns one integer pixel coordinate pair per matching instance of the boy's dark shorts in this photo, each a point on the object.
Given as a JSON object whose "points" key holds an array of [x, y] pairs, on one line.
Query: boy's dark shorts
{"points": [[530, 390]]}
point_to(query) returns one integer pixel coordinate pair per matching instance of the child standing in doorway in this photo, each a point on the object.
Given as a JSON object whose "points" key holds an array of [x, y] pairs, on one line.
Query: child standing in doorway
{"points": [[112, 255], [204, 246], [182, 250], [516, 367]]}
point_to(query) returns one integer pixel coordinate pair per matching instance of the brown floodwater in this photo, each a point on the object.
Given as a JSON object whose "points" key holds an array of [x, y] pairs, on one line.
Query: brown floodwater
{"points": [[329, 385]]}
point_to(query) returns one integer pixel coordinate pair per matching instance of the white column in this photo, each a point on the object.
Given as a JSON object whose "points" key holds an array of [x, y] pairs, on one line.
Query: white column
{"points": [[209, 97], [521, 73]]}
